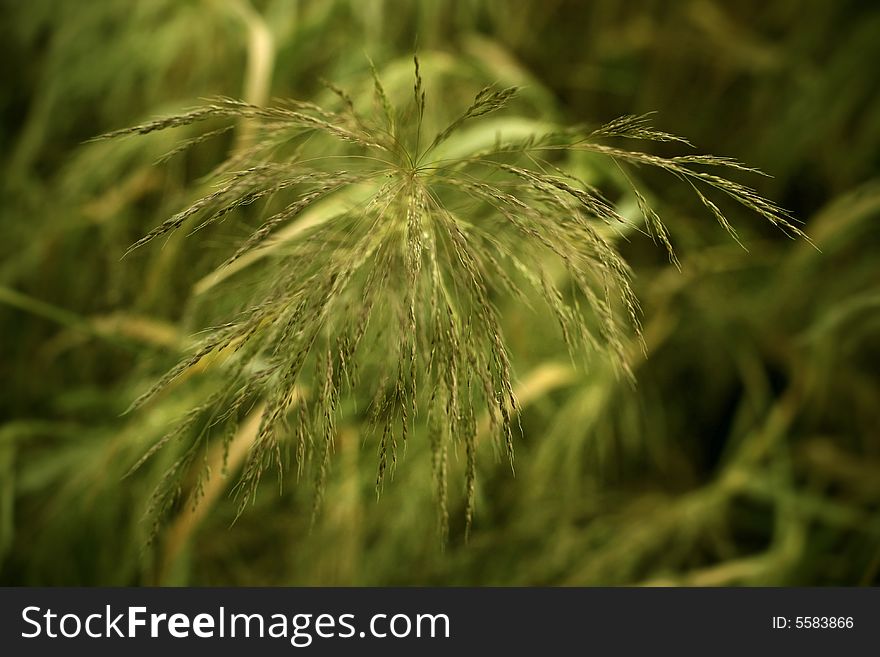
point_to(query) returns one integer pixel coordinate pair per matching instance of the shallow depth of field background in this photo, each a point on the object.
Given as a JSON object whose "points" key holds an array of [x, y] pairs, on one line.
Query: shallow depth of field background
{"points": [[749, 451]]}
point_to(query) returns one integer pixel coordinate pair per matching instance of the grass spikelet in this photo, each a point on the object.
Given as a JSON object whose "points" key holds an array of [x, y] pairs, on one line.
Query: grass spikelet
{"points": [[383, 102], [488, 100]]}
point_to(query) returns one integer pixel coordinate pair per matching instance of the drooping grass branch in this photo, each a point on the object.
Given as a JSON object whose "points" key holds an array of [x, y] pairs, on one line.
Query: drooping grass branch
{"points": [[393, 290]]}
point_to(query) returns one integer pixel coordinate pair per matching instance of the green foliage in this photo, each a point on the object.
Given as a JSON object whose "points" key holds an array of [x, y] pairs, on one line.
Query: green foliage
{"points": [[745, 453]]}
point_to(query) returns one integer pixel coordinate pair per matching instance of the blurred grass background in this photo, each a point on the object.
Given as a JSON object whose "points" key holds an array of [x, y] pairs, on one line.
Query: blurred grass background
{"points": [[748, 453]]}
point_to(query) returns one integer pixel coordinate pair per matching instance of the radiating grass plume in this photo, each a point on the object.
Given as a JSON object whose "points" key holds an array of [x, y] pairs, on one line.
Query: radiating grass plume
{"points": [[377, 270]]}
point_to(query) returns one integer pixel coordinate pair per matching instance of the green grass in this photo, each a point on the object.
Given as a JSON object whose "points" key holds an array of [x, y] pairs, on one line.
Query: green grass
{"points": [[397, 284], [744, 453]]}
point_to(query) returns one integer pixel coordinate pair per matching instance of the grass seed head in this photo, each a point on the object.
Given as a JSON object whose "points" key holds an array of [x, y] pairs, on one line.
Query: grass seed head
{"points": [[395, 286]]}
